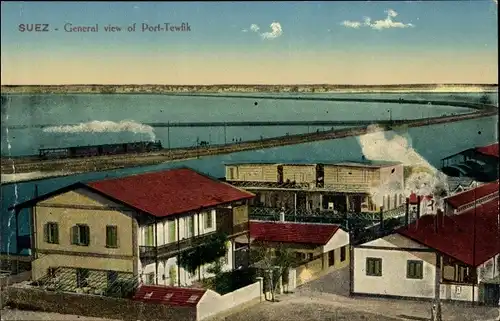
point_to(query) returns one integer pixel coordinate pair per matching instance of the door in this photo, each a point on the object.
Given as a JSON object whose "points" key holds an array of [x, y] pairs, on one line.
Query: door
{"points": [[280, 174], [491, 294]]}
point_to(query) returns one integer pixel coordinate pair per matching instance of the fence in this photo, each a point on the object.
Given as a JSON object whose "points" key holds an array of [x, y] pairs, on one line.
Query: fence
{"points": [[103, 283], [274, 214], [213, 303], [29, 298]]}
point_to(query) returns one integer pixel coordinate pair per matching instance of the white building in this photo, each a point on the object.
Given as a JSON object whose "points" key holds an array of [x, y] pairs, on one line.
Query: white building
{"points": [[404, 263]]}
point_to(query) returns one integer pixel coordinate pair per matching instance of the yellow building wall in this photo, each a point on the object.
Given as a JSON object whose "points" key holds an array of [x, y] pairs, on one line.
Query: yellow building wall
{"points": [[359, 177], [253, 173], [240, 214], [319, 267], [299, 173], [41, 265], [53, 210]]}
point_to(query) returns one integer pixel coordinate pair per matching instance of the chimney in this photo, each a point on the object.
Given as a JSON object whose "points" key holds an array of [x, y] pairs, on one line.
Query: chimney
{"points": [[407, 212], [418, 207], [438, 220]]}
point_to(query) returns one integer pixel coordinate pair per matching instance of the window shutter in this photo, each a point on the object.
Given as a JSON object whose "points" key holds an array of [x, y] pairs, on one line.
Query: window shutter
{"points": [[87, 235], [46, 232], [56, 233], [74, 235], [115, 235], [171, 231], [173, 274]]}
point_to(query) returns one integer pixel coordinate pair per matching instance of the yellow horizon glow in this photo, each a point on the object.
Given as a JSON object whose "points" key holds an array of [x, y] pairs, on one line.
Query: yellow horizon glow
{"points": [[370, 68]]}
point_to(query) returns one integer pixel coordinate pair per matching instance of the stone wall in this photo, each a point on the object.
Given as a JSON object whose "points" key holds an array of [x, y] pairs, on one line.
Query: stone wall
{"points": [[92, 306]]}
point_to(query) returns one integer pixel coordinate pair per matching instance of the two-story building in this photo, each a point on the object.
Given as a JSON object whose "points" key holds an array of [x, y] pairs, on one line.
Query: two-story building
{"points": [[456, 256], [134, 226], [337, 187]]}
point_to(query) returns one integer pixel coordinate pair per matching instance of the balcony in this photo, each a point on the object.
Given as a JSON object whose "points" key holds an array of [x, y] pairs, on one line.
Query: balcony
{"points": [[172, 249]]}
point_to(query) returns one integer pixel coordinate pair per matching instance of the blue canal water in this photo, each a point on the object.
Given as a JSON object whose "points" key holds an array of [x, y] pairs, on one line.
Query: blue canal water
{"points": [[432, 142]]}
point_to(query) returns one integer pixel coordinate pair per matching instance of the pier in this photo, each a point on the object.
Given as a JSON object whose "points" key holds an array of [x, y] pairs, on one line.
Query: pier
{"points": [[71, 166]]}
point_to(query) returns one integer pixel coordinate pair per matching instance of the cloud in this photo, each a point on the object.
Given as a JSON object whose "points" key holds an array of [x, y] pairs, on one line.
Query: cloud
{"points": [[276, 30], [386, 23], [254, 27], [351, 24]]}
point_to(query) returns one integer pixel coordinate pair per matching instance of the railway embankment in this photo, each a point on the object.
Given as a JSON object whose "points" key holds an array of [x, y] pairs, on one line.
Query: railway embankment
{"points": [[102, 163]]}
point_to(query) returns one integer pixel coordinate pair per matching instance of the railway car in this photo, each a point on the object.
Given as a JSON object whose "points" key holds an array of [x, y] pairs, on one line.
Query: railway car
{"points": [[98, 150]]}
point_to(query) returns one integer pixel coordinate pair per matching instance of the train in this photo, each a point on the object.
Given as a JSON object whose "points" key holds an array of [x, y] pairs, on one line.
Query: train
{"points": [[100, 150]]}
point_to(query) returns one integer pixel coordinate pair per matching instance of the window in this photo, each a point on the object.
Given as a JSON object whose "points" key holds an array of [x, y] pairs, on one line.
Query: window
{"points": [[456, 272], [331, 258], [311, 256], [82, 276], [171, 231], [51, 272], [209, 220], [111, 236], [343, 251], [414, 269], [112, 277], [80, 235], [149, 235], [189, 226], [51, 233], [150, 278], [373, 266]]}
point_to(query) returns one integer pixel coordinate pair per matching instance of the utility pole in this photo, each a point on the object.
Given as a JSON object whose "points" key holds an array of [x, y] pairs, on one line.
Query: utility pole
{"points": [[474, 248], [168, 134], [225, 136]]}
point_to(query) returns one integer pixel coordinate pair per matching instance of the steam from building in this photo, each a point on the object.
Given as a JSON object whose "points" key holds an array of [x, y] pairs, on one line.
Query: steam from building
{"points": [[420, 176]]}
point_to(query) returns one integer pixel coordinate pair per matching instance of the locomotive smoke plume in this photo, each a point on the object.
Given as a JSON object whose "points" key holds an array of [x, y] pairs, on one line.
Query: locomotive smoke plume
{"points": [[425, 179], [104, 127]]}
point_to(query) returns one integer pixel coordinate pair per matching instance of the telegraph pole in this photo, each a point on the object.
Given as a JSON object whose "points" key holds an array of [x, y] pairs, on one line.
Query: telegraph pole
{"points": [[168, 135], [225, 136], [474, 247]]}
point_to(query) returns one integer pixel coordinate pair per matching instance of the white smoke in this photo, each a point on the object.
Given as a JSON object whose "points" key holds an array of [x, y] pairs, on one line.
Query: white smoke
{"points": [[104, 127], [424, 179]]}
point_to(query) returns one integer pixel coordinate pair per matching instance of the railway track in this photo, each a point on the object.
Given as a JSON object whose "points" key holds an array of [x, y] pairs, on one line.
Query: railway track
{"points": [[109, 162]]}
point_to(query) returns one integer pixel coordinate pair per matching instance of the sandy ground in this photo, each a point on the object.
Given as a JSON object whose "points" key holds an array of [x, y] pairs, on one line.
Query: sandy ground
{"points": [[8, 315], [325, 299]]}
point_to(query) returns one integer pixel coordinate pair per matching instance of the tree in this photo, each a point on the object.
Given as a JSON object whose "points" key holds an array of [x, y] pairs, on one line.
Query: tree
{"points": [[485, 100], [273, 261], [204, 251]]}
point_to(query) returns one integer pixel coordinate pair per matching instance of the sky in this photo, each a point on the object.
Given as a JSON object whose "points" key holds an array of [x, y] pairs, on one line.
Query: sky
{"points": [[345, 42]]}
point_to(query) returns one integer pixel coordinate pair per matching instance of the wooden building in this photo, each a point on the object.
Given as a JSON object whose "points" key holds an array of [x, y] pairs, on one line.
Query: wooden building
{"points": [[339, 187]]}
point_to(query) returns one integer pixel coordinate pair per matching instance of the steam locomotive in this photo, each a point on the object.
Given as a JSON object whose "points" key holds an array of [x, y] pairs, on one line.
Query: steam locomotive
{"points": [[99, 150]]}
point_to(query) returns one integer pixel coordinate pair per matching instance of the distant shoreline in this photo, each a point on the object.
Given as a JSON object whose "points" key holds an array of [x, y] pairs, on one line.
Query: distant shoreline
{"points": [[292, 89]]}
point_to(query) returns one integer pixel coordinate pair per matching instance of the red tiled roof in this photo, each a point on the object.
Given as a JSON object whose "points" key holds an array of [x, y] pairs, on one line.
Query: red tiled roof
{"points": [[491, 150], [455, 233], [170, 192], [288, 232], [169, 295], [468, 196]]}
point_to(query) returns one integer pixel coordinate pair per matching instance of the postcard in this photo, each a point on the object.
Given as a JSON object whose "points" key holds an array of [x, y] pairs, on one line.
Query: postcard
{"points": [[324, 160]]}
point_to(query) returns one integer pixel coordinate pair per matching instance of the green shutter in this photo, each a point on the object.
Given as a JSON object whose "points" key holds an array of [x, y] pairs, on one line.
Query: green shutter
{"points": [[171, 231], [87, 235], [74, 235], [46, 233], [191, 226], [172, 274], [56, 233], [149, 235]]}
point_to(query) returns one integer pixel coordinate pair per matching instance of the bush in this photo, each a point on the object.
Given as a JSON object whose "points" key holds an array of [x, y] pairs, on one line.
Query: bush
{"points": [[122, 289], [230, 281]]}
